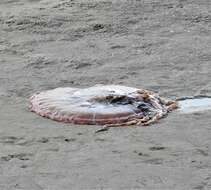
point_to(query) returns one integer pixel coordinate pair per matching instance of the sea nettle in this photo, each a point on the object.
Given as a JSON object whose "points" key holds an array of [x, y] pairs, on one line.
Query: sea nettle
{"points": [[111, 105]]}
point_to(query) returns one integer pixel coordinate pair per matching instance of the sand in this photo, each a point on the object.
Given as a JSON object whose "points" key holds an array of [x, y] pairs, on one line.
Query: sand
{"points": [[160, 45]]}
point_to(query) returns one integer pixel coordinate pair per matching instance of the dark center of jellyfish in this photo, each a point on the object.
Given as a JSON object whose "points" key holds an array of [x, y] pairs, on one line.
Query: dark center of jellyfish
{"points": [[114, 100], [140, 106]]}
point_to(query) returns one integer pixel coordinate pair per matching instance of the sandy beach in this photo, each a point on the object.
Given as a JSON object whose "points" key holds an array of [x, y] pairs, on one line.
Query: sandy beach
{"points": [[160, 45]]}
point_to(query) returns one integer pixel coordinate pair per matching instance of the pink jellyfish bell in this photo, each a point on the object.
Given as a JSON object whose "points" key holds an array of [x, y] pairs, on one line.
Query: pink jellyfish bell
{"points": [[113, 105]]}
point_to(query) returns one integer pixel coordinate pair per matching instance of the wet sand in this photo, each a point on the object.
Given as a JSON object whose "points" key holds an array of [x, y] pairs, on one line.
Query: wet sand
{"points": [[164, 46]]}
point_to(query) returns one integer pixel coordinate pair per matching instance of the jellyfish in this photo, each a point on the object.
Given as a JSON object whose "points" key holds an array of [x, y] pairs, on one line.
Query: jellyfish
{"points": [[107, 105]]}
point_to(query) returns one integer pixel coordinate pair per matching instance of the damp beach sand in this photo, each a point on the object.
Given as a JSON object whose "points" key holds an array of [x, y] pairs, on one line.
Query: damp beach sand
{"points": [[163, 46]]}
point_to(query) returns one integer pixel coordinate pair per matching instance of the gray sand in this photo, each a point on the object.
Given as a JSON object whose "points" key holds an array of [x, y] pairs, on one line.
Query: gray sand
{"points": [[161, 45]]}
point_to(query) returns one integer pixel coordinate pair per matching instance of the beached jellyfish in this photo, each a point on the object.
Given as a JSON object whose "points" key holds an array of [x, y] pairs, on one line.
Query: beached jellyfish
{"points": [[110, 105]]}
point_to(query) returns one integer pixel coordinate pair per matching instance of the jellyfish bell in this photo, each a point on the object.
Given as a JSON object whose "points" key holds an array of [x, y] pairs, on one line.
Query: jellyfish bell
{"points": [[101, 105]]}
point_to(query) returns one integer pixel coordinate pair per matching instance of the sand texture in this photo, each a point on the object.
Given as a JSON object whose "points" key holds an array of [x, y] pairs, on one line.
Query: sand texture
{"points": [[160, 45]]}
